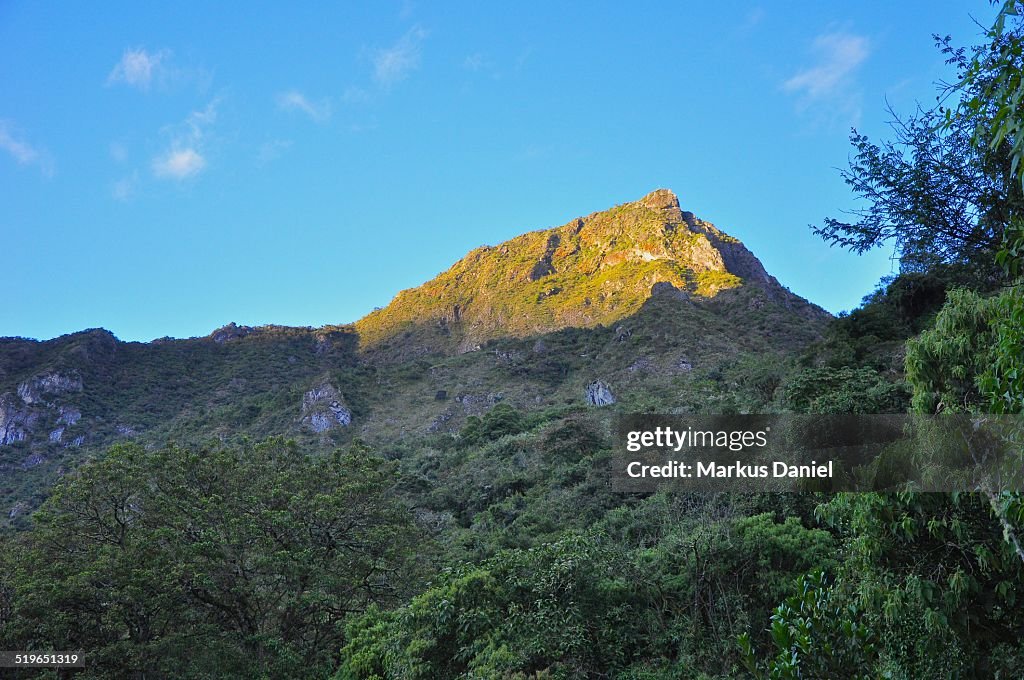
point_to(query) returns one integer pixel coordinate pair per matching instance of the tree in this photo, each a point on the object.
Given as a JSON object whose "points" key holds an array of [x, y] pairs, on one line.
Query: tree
{"points": [[217, 561], [501, 420], [565, 609], [814, 637], [843, 390], [942, 190], [944, 363]]}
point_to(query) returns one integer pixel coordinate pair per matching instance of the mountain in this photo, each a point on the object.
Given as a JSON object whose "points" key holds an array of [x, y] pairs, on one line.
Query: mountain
{"points": [[641, 307], [595, 270]]}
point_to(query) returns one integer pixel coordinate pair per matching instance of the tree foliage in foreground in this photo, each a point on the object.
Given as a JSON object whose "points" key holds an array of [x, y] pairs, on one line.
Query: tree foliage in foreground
{"points": [[944, 188], [591, 605], [927, 588], [219, 562], [931, 584]]}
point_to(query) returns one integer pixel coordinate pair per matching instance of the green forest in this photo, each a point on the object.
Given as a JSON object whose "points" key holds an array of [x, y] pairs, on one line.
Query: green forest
{"points": [[217, 547]]}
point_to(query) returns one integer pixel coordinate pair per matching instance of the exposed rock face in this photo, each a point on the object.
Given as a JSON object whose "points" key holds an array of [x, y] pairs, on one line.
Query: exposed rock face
{"points": [[15, 420], [666, 289], [323, 408], [34, 407], [599, 394], [32, 461], [544, 267], [440, 423], [661, 199], [68, 415], [33, 390], [17, 509], [476, 404], [640, 364], [230, 332]]}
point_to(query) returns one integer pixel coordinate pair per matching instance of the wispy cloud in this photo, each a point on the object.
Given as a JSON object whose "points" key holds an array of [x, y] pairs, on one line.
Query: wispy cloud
{"points": [[184, 157], [118, 152], [752, 19], [831, 80], [124, 188], [395, 63], [138, 68], [179, 163], [480, 64], [476, 62], [272, 150], [829, 85], [839, 56], [293, 100], [22, 151]]}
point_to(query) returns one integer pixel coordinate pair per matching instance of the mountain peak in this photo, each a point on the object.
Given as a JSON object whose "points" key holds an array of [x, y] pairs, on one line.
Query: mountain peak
{"points": [[661, 199], [595, 270]]}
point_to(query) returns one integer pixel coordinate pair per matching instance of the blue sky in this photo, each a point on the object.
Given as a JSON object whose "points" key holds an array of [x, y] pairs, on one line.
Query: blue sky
{"points": [[165, 171]]}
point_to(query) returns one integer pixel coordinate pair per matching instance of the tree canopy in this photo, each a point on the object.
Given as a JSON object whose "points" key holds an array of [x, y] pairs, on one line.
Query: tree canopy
{"points": [[223, 561]]}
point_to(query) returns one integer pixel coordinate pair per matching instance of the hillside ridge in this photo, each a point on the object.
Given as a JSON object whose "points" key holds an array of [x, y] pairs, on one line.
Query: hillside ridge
{"points": [[642, 307]]}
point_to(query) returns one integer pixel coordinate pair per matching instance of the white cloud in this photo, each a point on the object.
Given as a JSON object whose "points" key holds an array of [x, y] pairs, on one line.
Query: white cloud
{"points": [[179, 163], [23, 152], [138, 68], [839, 56], [395, 63], [185, 157], [198, 120], [831, 81], [293, 100]]}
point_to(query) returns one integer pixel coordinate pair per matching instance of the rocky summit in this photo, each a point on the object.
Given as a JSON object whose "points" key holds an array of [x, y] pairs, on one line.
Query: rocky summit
{"points": [[595, 270]]}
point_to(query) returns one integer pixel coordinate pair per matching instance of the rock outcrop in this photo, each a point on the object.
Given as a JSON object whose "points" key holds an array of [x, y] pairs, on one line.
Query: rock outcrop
{"points": [[598, 393], [324, 408], [16, 421], [34, 390], [232, 331], [68, 415]]}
